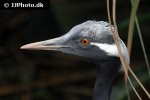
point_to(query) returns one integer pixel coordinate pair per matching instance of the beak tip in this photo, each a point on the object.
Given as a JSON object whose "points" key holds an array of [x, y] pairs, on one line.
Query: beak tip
{"points": [[28, 46], [42, 45], [33, 46], [22, 47]]}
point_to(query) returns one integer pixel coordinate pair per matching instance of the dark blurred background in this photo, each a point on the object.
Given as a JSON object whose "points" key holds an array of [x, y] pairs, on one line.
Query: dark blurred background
{"points": [[48, 75]]}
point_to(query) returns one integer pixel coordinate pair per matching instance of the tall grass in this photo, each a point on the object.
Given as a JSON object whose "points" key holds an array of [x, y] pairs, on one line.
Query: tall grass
{"points": [[126, 67]]}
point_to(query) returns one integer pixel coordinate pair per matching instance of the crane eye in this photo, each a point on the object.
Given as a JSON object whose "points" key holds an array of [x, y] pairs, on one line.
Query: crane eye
{"points": [[85, 41]]}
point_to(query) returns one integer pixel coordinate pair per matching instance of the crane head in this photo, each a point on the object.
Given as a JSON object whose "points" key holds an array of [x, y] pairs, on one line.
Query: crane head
{"points": [[90, 39]]}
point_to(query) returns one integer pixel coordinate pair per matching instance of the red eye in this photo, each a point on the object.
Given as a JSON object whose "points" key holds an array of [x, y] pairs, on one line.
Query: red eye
{"points": [[85, 41]]}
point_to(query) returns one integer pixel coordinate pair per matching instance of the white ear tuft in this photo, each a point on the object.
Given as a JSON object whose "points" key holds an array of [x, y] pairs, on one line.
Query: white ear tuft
{"points": [[111, 49]]}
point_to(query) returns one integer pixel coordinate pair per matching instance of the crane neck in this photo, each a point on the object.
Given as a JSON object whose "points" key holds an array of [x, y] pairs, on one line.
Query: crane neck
{"points": [[106, 74]]}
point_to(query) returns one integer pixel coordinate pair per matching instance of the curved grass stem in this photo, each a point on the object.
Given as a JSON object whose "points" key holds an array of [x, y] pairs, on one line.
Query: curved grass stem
{"points": [[117, 41]]}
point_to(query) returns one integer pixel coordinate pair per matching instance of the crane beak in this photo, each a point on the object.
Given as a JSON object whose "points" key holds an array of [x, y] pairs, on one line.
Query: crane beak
{"points": [[52, 44]]}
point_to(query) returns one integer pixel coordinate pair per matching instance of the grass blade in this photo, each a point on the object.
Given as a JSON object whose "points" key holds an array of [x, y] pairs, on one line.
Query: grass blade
{"points": [[141, 40], [131, 24]]}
